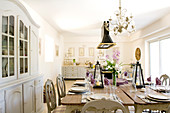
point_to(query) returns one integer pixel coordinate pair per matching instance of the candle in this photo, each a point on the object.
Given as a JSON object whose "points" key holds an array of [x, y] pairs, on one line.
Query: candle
{"points": [[97, 83]]}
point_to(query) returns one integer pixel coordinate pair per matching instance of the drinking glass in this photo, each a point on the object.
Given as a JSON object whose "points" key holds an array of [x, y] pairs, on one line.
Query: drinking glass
{"points": [[167, 88], [114, 92], [106, 89], [107, 85], [133, 88]]}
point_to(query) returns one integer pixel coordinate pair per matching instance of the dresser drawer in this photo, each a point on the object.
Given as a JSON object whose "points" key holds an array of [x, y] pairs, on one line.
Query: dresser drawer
{"points": [[38, 81], [1, 95]]}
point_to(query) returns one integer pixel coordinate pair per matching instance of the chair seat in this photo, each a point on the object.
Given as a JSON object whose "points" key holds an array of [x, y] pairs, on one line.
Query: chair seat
{"points": [[60, 109]]}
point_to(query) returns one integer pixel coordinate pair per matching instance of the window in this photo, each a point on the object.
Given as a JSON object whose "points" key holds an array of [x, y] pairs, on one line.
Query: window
{"points": [[49, 49], [159, 57]]}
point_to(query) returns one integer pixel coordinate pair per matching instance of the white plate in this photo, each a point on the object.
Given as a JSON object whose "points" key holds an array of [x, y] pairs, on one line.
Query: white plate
{"points": [[80, 83], [158, 97], [158, 100], [78, 89], [98, 96]]}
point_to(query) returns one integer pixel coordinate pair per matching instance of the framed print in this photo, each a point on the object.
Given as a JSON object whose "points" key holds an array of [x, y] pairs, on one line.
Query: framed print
{"points": [[71, 52], [57, 50], [101, 53], [91, 51], [81, 51]]}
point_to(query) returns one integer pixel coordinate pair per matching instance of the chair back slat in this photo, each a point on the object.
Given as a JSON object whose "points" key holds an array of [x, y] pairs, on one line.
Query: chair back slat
{"points": [[103, 106], [50, 95], [165, 79], [61, 88]]}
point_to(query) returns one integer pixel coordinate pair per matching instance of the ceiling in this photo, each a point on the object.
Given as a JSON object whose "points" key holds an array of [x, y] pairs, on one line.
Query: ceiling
{"points": [[84, 18]]}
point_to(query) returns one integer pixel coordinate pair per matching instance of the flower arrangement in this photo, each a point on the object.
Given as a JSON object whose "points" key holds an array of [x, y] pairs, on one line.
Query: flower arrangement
{"points": [[113, 65]]}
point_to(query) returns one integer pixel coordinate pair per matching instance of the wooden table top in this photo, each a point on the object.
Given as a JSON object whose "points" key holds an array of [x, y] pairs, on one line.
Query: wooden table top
{"points": [[135, 98], [72, 99], [123, 92]]}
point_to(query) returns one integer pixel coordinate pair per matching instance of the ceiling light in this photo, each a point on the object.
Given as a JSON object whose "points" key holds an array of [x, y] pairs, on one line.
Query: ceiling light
{"points": [[123, 22], [106, 41]]}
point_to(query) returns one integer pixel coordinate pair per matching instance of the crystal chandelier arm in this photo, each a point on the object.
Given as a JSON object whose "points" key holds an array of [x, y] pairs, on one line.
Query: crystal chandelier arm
{"points": [[122, 22]]}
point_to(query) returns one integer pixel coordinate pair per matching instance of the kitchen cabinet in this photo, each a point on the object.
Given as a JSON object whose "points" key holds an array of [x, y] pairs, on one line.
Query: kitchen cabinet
{"points": [[2, 102], [14, 100], [73, 71], [28, 95], [38, 95], [21, 86]]}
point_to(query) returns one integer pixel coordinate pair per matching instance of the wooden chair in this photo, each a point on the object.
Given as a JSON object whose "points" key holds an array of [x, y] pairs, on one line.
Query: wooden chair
{"points": [[51, 98], [103, 106], [168, 111], [164, 79], [61, 88]]}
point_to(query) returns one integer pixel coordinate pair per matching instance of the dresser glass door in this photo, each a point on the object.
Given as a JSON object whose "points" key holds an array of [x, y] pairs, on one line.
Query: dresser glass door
{"points": [[8, 47], [23, 48]]}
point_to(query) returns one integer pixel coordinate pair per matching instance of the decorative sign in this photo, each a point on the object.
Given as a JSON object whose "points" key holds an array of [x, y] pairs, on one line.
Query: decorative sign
{"points": [[138, 54], [91, 51], [81, 51], [70, 52]]}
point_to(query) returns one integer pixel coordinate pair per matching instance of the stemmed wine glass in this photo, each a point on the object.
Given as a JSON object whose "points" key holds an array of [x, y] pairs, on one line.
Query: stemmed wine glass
{"points": [[106, 84], [90, 81]]}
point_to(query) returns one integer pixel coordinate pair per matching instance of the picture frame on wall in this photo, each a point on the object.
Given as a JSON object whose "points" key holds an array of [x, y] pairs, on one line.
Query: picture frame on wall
{"points": [[57, 50], [71, 52], [91, 51], [81, 51]]}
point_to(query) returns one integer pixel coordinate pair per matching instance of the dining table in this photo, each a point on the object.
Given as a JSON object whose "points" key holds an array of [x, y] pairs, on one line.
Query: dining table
{"points": [[126, 94]]}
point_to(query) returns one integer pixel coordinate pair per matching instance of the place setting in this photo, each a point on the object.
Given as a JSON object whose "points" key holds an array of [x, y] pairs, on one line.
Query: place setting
{"points": [[154, 98], [158, 98], [78, 88], [99, 96], [79, 84]]}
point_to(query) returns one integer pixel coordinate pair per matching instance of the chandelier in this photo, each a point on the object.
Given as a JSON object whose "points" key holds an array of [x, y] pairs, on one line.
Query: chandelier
{"points": [[123, 22]]}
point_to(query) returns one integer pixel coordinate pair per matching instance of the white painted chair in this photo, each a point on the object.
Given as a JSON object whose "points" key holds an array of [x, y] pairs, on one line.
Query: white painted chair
{"points": [[103, 106], [165, 79], [61, 88], [51, 98]]}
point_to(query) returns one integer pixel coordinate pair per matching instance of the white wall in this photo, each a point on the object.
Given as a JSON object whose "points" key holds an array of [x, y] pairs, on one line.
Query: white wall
{"points": [[158, 29], [85, 42], [125, 48], [128, 45], [49, 69]]}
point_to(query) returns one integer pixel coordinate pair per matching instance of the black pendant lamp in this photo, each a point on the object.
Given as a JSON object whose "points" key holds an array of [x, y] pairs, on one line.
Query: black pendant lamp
{"points": [[107, 41]]}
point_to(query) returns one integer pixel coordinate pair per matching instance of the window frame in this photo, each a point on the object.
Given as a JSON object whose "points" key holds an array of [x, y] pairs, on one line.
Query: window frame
{"points": [[148, 62]]}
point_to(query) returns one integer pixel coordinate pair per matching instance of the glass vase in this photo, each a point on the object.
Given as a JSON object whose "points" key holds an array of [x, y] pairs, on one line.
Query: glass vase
{"points": [[114, 84]]}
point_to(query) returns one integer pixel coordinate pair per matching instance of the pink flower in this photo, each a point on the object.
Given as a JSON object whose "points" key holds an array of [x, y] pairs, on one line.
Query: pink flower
{"points": [[106, 81], [107, 56], [125, 73], [93, 81], [87, 74], [158, 81], [117, 52], [149, 79], [114, 57]]}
